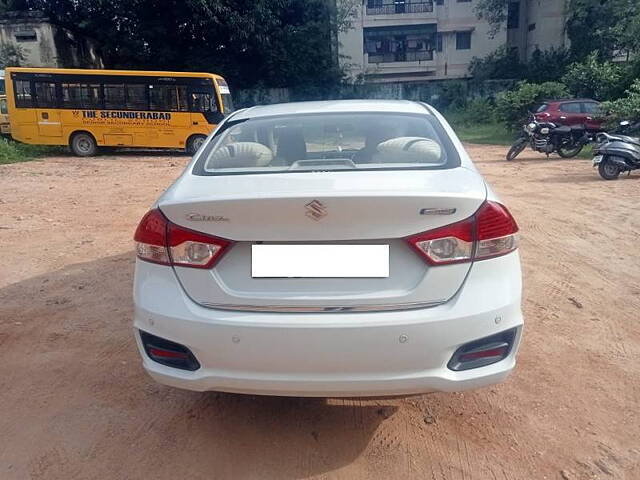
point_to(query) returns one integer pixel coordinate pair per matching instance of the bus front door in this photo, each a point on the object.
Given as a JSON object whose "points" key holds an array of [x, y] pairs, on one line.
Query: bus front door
{"points": [[49, 124]]}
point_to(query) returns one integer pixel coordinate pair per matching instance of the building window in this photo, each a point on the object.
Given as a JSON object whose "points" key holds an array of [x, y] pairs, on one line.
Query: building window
{"points": [[26, 36], [513, 15], [438, 42], [463, 1], [463, 40], [439, 2], [532, 27], [400, 44]]}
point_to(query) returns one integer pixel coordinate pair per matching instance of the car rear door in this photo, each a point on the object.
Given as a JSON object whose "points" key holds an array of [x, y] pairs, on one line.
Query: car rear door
{"points": [[592, 114], [571, 114]]}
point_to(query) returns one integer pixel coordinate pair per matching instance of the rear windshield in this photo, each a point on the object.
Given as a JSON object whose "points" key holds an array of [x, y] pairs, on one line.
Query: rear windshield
{"points": [[328, 142]]}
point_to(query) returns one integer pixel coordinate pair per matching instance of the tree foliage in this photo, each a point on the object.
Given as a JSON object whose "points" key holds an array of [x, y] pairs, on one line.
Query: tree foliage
{"points": [[494, 12], [513, 106], [626, 107], [11, 55], [593, 78], [251, 42], [504, 63]]}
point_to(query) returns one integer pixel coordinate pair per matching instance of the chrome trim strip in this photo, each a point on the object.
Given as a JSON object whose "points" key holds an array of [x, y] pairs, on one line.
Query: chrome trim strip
{"points": [[326, 309]]}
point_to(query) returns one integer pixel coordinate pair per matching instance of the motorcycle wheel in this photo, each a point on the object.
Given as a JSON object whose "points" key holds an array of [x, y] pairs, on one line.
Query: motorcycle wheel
{"points": [[608, 170], [516, 149], [569, 152]]}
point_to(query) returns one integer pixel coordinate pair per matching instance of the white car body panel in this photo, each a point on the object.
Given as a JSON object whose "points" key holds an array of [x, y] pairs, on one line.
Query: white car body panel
{"points": [[328, 336], [331, 354]]}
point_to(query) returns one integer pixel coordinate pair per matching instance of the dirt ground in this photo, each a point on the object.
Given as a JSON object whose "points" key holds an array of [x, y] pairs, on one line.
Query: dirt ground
{"points": [[76, 404]]}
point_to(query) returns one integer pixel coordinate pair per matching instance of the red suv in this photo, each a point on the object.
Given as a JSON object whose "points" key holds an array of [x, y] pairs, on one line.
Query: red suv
{"points": [[576, 111]]}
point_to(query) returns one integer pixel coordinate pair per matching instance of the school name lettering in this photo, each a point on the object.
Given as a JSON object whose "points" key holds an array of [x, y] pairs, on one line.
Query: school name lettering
{"points": [[93, 114]]}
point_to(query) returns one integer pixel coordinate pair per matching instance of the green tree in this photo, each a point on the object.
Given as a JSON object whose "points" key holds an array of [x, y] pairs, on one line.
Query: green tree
{"points": [[594, 78], [11, 55], [251, 42], [514, 105], [627, 107], [500, 64]]}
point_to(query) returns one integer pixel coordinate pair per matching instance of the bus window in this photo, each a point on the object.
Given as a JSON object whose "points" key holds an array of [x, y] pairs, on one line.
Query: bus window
{"points": [[77, 95], [168, 98], [114, 96], [182, 98], [71, 95], [90, 96], [203, 102], [46, 94], [225, 94], [160, 97], [23, 94], [137, 97]]}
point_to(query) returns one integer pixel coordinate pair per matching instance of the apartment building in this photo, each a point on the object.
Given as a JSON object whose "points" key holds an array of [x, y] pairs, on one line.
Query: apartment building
{"points": [[414, 40]]}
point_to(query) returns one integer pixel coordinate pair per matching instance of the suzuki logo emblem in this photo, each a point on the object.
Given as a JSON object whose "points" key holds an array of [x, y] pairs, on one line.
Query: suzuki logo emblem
{"points": [[315, 210]]}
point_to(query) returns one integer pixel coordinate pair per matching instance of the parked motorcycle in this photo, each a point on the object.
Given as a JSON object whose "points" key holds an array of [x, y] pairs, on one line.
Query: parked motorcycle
{"points": [[617, 153], [548, 138]]}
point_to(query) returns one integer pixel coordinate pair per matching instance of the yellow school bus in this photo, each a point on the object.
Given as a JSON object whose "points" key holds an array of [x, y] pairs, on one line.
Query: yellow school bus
{"points": [[5, 129], [89, 109]]}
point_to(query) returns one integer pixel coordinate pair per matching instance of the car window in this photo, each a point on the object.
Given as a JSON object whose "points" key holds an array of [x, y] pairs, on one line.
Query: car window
{"points": [[328, 142], [591, 107], [573, 107], [542, 108]]}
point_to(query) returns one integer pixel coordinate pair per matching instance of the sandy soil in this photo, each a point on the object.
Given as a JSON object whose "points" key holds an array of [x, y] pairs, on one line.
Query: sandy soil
{"points": [[75, 402]]}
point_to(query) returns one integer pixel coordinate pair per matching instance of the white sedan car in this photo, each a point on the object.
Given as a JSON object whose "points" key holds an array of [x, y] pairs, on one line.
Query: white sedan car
{"points": [[339, 248]]}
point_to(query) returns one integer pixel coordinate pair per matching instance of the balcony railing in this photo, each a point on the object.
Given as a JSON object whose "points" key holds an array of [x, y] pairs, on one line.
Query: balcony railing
{"points": [[401, 57], [422, 7]]}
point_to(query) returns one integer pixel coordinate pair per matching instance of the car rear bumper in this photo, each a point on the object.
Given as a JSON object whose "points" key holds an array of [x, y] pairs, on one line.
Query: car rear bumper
{"points": [[331, 354]]}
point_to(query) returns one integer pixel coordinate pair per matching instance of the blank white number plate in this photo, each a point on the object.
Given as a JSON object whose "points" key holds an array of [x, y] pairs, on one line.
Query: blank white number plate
{"points": [[320, 261]]}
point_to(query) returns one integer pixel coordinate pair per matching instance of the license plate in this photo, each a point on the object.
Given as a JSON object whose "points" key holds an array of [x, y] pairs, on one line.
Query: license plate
{"points": [[597, 159], [320, 261]]}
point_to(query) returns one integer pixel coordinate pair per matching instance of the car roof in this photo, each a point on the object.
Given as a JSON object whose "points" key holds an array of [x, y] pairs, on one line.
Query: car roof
{"points": [[334, 106], [564, 100]]}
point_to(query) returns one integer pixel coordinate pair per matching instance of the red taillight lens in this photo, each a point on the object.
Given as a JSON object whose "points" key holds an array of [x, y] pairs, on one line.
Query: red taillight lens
{"points": [[160, 241], [151, 238], [497, 231], [490, 232]]}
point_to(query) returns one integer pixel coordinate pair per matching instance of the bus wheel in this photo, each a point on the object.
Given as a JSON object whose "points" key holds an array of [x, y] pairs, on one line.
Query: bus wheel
{"points": [[83, 145], [194, 143]]}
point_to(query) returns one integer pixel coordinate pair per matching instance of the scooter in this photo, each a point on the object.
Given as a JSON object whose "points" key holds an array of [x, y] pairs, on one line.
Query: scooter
{"points": [[614, 154]]}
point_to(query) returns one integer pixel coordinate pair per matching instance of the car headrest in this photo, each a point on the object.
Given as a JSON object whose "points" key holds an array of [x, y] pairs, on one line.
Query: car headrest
{"points": [[241, 154], [408, 150]]}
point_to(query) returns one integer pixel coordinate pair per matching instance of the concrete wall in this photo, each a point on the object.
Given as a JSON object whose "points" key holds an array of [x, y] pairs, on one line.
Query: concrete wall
{"points": [[549, 19]]}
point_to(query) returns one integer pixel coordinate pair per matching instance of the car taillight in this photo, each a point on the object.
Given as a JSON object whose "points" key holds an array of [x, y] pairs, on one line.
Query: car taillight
{"points": [[489, 233], [160, 241]]}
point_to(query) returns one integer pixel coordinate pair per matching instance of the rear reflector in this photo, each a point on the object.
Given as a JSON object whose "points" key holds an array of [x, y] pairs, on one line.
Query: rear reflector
{"points": [[160, 241], [490, 232], [168, 353], [485, 351]]}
